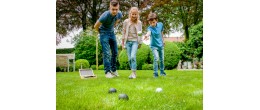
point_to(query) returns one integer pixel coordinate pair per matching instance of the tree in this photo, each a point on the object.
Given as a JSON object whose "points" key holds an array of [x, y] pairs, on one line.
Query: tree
{"points": [[178, 13], [85, 48], [75, 14]]}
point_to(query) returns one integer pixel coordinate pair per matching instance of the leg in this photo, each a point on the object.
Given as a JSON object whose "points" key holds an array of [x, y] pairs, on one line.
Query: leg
{"points": [[128, 50], [133, 59], [114, 51], [161, 56], [155, 61], [104, 41], [133, 55]]}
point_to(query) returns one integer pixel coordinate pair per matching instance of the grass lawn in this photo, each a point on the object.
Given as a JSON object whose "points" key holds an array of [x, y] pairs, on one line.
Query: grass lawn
{"points": [[182, 90]]}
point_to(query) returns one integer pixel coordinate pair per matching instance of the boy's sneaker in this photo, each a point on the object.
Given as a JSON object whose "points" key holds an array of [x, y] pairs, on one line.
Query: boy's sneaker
{"points": [[132, 76], [109, 75], [163, 74], [115, 74]]}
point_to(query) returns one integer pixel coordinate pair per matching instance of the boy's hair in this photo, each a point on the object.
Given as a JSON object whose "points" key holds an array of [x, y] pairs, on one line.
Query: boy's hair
{"points": [[152, 16], [114, 2]]}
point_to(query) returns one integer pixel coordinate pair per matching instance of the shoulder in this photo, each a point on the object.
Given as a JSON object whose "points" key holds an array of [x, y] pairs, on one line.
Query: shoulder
{"points": [[160, 24], [139, 22], [119, 14], [105, 14], [126, 21]]}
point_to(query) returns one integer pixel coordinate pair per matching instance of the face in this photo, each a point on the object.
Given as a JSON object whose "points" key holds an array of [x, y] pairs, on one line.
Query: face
{"points": [[114, 9], [134, 15], [153, 22]]}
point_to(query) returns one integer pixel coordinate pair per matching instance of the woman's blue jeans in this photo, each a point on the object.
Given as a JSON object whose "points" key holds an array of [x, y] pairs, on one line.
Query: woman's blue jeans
{"points": [[131, 48]]}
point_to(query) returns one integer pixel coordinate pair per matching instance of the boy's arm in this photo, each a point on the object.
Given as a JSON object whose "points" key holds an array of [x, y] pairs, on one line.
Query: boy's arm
{"points": [[146, 35], [97, 25]]}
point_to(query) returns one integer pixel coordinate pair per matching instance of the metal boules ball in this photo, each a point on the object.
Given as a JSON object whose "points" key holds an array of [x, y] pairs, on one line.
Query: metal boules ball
{"points": [[123, 97], [112, 90]]}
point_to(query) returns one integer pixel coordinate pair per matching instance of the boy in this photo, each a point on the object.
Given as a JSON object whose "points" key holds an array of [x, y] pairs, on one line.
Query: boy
{"points": [[105, 26], [155, 30]]}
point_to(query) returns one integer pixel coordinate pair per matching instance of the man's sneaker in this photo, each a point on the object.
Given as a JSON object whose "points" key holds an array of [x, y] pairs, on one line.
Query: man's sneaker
{"points": [[132, 76], [109, 75], [115, 74]]}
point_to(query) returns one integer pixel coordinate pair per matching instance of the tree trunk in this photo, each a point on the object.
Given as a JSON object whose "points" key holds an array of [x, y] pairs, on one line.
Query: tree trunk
{"points": [[84, 22], [186, 28]]}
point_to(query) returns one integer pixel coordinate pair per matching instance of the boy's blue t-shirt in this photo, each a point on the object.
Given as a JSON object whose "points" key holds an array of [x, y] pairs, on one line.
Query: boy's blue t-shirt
{"points": [[108, 21], [156, 35]]}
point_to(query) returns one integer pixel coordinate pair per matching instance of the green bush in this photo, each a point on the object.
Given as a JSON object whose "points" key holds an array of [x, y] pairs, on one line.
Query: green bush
{"points": [[101, 67], [83, 62], [93, 67], [193, 47], [85, 48], [142, 56], [58, 69], [147, 67], [64, 51], [123, 60]]}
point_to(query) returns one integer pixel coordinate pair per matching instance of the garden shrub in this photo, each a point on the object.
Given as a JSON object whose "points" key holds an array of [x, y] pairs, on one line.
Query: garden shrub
{"points": [[142, 56], [85, 48], [93, 67], [101, 67], [123, 60], [84, 62], [147, 67]]}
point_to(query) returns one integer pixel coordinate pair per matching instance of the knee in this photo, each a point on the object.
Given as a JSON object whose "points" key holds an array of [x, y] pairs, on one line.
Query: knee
{"points": [[132, 58], [156, 59]]}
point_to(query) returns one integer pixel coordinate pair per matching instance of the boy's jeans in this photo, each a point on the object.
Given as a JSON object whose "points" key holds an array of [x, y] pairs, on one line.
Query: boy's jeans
{"points": [[131, 48], [158, 53], [108, 41]]}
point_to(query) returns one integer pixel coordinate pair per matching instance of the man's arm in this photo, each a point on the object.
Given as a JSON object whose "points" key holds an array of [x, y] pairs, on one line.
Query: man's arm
{"points": [[116, 23], [97, 25]]}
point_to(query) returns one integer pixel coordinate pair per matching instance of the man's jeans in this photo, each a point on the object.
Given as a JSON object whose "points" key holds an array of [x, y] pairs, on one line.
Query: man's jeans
{"points": [[108, 42], [131, 47], [158, 53]]}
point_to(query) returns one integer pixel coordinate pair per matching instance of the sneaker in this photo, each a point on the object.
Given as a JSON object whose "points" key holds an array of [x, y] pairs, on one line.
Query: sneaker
{"points": [[115, 74], [132, 76], [155, 75], [109, 75], [163, 74]]}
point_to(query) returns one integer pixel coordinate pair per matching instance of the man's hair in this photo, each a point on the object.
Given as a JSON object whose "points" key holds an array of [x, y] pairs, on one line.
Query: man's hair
{"points": [[152, 16], [114, 2]]}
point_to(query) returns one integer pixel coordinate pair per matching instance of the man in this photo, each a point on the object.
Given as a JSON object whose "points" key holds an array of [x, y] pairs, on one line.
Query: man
{"points": [[105, 26]]}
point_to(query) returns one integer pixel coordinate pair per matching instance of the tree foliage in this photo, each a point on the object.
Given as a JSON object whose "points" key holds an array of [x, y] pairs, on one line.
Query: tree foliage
{"points": [[85, 48], [178, 15], [75, 14]]}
